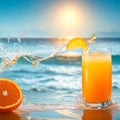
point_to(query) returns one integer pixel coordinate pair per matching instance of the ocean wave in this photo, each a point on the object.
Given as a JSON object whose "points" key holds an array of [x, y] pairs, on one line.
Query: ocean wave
{"points": [[67, 59], [60, 59], [64, 90], [58, 83], [115, 87], [116, 59], [57, 87]]}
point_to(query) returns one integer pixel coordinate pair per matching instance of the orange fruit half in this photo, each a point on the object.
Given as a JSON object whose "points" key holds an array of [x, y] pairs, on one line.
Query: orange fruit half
{"points": [[10, 95], [77, 43]]}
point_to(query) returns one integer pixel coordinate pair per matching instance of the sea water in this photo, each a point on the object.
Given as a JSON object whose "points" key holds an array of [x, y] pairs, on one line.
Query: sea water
{"points": [[56, 80]]}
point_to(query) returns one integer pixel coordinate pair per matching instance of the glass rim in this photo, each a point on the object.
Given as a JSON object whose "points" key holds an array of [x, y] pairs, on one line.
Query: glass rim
{"points": [[107, 51]]}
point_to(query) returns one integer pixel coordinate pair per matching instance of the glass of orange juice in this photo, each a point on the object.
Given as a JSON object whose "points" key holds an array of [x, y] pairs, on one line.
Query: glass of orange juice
{"points": [[97, 77]]}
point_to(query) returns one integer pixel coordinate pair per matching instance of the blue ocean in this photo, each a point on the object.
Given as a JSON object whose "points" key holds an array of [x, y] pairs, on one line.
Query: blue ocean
{"points": [[47, 73]]}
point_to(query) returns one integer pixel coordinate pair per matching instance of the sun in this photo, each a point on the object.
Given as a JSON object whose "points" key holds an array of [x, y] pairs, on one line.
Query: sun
{"points": [[69, 17]]}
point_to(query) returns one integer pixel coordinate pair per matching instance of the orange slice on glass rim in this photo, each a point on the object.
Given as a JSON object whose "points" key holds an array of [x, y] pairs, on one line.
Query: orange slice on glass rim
{"points": [[76, 43], [10, 95]]}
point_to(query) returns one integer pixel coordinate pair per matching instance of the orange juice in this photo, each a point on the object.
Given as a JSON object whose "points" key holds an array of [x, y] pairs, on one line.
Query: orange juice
{"points": [[96, 77]]}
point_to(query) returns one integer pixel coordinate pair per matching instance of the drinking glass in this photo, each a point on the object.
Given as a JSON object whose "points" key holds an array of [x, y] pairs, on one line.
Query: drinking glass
{"points": [[97, 77]]}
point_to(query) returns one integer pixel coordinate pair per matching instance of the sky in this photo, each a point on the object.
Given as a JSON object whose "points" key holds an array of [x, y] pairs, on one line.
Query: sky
{"points": [[59, 18]]}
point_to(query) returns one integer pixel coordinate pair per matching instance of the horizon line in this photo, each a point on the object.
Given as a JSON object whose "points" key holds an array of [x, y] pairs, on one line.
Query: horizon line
{"points": [[51, 37]]}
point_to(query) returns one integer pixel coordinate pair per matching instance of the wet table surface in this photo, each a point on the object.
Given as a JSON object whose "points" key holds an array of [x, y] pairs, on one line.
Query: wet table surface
{"points": [[65, 114], [56, 112]]}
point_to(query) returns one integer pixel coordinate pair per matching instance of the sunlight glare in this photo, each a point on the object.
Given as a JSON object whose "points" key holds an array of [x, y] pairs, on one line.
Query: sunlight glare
{"points": [[70, 17]]}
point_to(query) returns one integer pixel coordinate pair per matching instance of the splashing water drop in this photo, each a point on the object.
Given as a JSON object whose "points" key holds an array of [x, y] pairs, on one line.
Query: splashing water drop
{"points": [[90, 41], [93, 37], [1, 47], [35, 62], [20, 36], [8, 39]]}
